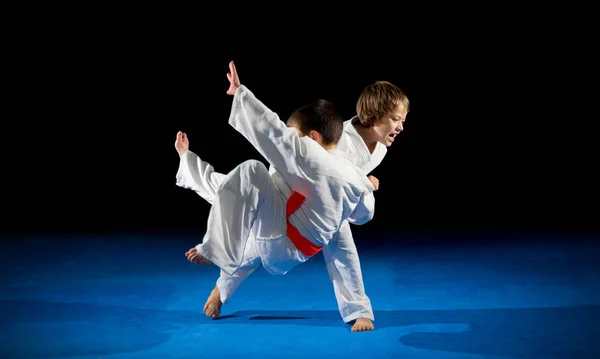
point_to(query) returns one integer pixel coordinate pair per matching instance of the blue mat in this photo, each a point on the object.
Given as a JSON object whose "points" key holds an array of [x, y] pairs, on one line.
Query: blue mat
{"points": [[135, 296]]}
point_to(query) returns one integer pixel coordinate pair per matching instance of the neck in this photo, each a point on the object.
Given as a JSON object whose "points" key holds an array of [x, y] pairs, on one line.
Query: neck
{"points": [[367, 134]]}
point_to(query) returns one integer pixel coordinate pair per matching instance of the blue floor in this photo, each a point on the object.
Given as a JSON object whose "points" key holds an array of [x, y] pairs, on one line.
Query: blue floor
{"points": [[135, 296]]}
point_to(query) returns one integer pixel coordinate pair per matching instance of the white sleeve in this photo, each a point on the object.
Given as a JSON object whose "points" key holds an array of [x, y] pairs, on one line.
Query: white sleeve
{"points": [[365, 210], [343, 266], [199, 176], [277, 143]]}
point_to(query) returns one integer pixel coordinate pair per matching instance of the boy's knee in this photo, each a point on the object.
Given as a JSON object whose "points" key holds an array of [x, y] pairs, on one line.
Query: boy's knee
{"points": [[254, 166]]}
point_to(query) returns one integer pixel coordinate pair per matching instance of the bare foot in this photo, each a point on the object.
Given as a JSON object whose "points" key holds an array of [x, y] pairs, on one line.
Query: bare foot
{"points": [[195, 257], [212, 307], [363, 325]]}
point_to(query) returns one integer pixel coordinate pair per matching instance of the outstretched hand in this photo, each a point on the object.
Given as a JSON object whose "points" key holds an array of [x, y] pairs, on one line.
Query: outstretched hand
{"points": [[234, 80], [181, 143]]}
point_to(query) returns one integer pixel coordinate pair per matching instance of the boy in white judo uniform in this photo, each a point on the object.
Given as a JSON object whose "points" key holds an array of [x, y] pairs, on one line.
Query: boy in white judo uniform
{"points": [[382, 108], [281, 219]]}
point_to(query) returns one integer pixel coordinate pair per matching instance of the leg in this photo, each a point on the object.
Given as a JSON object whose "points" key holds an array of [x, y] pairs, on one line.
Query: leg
{"points": [[224, 289], [199, 176], [237, 211], [228, 284], [212, 307], [343, 266]]}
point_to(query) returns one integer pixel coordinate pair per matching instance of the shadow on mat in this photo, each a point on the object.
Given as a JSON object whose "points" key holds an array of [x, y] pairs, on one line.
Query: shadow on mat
{"points": [[71, 329], [557, 332], [37, 329]]}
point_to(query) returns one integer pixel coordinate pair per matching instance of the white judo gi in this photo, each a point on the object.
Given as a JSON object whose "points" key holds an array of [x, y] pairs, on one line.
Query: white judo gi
{"points": [[248, 223], [340, 254]]}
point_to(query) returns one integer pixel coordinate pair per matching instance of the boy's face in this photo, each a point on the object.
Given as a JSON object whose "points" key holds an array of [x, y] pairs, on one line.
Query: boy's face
{"points": [[389, 126]]}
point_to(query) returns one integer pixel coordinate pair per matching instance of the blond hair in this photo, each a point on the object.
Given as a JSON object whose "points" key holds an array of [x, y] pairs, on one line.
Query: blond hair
{"points": [[378, 100]]}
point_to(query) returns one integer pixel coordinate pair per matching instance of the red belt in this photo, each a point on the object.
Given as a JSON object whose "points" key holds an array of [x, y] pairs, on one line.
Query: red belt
{"points": [[304, 245]]}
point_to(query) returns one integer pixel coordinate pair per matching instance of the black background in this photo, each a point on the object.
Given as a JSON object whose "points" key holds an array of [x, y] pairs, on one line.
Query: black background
{"points": [[505, 141]]}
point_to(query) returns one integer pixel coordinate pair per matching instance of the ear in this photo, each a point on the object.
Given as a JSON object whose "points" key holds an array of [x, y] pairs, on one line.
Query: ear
{"points": [[316, 136]]}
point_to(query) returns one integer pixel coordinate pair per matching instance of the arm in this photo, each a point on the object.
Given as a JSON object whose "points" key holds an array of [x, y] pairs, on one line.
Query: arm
{"points": [[276, 142], [343, 266], [365, 209]]}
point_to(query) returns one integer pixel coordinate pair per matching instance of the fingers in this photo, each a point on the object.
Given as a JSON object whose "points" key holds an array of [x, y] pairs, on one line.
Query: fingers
{"points": [[231, 71], [232, 75], [182, 137], [374, 181]]}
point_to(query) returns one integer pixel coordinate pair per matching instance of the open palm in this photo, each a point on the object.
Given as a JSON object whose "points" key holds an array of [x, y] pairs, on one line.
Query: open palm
{"points": [[234, 80], [181, 143]]}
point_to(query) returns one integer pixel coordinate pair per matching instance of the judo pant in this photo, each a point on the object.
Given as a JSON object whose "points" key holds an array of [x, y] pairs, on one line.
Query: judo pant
{"points": [[243, 257], [247, 206]]}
